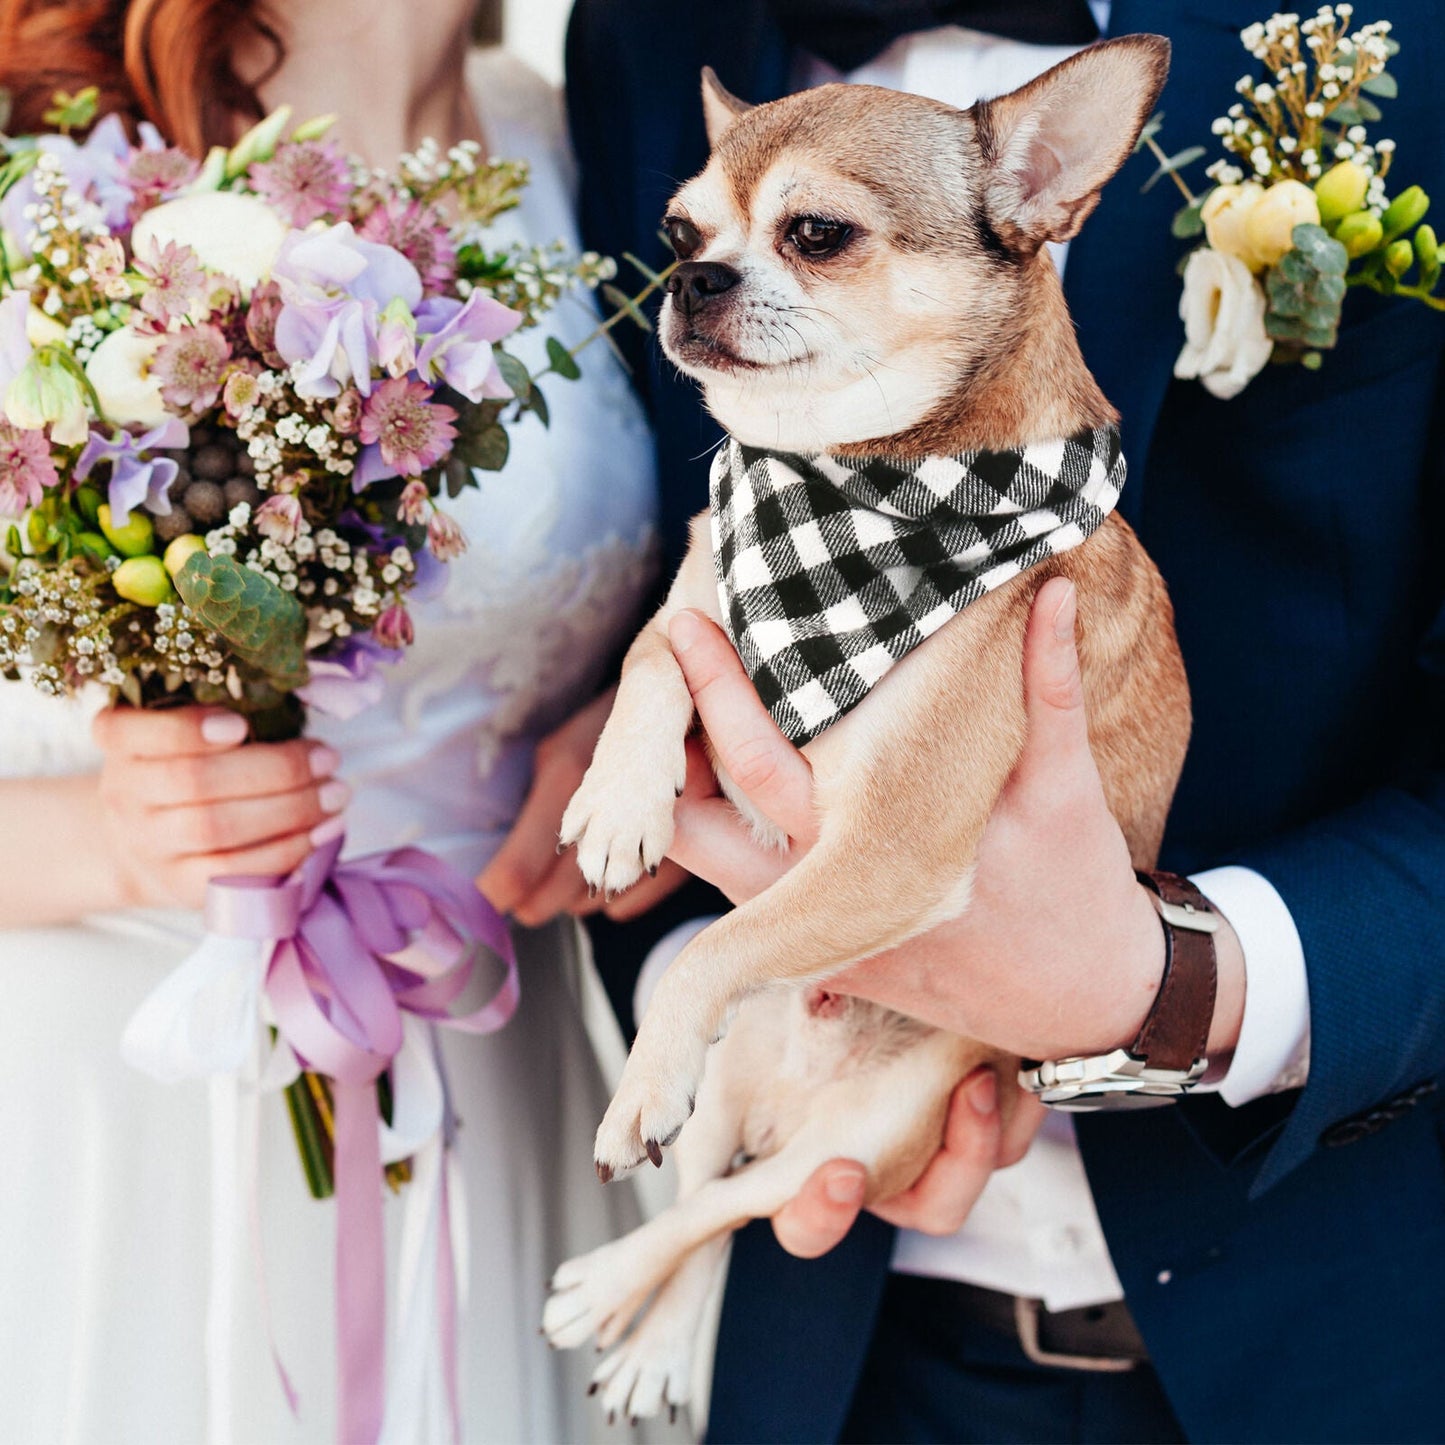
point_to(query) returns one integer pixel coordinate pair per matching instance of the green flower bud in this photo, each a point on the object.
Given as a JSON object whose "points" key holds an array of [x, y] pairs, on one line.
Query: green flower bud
{"points": [[94, 546], [1399, 256], [1341, 190], [1426, 247], [259, 143], [1405, 212], [87, 503], [45, 393], [135, 539], [39, 531], [181, 550], [143, 580], [1360, 233], [314, 128], [212, 172]]}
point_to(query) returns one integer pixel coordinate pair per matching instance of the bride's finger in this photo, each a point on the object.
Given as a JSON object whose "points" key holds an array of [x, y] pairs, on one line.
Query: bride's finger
{"points": [[712, 842], [168, 732], [249, 822], [528, 857], [188, 878]]}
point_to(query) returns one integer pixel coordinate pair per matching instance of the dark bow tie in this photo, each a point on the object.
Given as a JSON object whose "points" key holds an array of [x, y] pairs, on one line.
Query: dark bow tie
{"points": [[849, 33]]}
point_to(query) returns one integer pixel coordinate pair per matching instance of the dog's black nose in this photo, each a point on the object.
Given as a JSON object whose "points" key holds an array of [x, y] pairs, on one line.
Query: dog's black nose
{"points": [[695, 283]]}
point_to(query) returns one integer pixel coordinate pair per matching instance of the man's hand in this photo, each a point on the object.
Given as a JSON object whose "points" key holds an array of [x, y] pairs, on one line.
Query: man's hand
{"points": [[528, 878], [975, 1143]]}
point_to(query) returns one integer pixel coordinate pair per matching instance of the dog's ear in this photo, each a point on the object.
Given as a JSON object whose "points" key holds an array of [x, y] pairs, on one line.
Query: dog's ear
{"points": [[1049, 146], [720, 107]]}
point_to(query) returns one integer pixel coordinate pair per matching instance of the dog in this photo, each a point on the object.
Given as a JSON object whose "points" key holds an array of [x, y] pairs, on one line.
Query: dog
{"points": [[862, 274]]}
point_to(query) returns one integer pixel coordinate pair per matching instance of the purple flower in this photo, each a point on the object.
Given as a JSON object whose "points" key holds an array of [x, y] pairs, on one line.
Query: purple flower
{"points": [[458, 344], [349, 680], [136, 480], [411, 431], [334, 287], [190, 367], [96, 171], [15, 348], [304, 180], [26, 469]]}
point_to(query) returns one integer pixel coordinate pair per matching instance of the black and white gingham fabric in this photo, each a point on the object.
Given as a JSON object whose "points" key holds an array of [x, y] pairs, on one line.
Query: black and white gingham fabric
{"points": [[831, 569]]}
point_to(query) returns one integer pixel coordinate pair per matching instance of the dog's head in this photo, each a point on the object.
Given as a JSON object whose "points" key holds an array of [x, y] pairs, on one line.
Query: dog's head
{"points": [[851, 256]]}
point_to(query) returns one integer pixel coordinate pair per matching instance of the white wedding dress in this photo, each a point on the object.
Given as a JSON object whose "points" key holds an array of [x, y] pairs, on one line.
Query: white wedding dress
{"points": [[105, 1219]]}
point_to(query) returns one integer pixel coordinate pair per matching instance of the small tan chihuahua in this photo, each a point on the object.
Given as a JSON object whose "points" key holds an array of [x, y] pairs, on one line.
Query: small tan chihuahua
{"points": [[863, 275]]}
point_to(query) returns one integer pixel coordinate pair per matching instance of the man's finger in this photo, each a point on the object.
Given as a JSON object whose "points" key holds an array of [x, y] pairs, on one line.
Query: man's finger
{"points": [[947, 1190], [822, 1214], [750, 748], [713, 843]]}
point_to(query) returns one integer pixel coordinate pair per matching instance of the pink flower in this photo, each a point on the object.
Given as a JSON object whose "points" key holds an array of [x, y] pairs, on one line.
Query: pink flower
{"points": [[394, 628], [177, 281], [190, 367], [445, 537], [415, 502], [346, 416], [26, 469], [279, 518], [261, 317], [241, 392], [157, 174], [304, 180], [420, 233], [413, 432]]}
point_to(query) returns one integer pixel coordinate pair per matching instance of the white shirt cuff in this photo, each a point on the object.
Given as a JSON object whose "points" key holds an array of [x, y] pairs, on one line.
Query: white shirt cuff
{"points": [[1273, 1053]]}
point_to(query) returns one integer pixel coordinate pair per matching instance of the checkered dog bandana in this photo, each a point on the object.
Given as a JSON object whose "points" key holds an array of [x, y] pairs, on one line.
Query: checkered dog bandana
{"points": [[831, 569]]}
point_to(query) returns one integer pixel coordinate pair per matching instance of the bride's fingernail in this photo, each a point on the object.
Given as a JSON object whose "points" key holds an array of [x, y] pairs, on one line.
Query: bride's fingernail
{"points": [[324, 761], [224, 729], [684, 630], [325, 832], [333, 796]]}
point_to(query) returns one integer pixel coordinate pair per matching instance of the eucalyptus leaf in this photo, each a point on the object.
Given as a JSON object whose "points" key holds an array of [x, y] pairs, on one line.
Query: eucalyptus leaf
{"points": [[563, 362], [1188, 221], [264, 626], [643, 267], [514, 373], [539, 405], [627, 306], [488, 450], [1152, 127], [1384, 85]]}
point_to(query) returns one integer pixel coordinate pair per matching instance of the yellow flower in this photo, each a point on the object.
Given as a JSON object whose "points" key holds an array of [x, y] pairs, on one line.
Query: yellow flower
{"points": [[1270, 225], [1224, 213], [1341, 190]]}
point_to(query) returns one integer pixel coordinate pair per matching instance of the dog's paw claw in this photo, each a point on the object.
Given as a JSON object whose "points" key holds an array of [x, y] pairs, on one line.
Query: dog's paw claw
{"points": [[654, 1152]]}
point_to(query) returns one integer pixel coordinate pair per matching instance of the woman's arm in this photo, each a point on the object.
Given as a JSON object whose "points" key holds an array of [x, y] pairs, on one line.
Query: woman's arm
{"points": [[177, 801]]}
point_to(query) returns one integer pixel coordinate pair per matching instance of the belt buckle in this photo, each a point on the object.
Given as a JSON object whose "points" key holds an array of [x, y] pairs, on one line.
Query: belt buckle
{"points": [[1026, 1321]]}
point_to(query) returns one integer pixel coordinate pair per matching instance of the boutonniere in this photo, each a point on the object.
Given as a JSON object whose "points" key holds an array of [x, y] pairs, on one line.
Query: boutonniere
{"points": [[1298, 212]]}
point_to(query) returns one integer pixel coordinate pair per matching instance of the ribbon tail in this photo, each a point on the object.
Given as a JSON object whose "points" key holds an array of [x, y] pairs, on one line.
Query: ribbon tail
{"points": [[360, 1267], [446, 1286]]}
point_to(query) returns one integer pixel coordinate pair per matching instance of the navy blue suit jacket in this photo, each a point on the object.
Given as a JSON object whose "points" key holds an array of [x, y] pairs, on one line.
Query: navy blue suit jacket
{"points": [[1285, 1260]]}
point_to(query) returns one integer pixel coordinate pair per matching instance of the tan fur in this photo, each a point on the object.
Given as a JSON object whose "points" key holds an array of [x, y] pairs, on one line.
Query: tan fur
{"points": [[946, 284]]}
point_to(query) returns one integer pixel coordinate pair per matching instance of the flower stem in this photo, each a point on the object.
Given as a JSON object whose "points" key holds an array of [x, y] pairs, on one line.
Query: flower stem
{"points": [[1173, 175]]}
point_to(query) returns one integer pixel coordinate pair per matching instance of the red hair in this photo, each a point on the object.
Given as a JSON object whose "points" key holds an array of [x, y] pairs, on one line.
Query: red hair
{"points": [[171, 62]]}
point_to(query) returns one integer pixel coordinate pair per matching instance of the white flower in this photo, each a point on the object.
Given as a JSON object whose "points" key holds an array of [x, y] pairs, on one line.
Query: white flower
{"points": [[1223, 312], [232, 235], [120, 373]]}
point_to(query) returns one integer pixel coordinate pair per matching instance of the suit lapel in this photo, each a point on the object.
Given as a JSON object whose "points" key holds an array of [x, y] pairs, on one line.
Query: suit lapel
{"points": [[1121, 279]]}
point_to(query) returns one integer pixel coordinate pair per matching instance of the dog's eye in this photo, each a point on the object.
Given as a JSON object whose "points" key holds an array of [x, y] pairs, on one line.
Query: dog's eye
{"points": [[684, 237], [814, 237]]}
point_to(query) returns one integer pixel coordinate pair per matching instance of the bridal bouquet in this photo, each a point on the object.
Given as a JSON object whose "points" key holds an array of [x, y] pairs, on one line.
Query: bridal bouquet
{"points": [[235, 397], [1299, 211]]}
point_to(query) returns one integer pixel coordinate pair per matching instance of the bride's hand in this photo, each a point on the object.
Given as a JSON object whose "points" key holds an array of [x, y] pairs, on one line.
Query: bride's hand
{"points": [[183, 801], [527, 877]]}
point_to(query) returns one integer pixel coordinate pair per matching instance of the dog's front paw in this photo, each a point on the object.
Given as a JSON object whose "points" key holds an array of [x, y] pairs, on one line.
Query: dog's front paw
{"points": [[650, 1370], [595, 1294], [655, 1098], [621, 816]]}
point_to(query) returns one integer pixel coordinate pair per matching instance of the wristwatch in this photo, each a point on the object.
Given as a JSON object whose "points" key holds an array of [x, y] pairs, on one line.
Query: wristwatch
{"points": [[1166, 1059]]}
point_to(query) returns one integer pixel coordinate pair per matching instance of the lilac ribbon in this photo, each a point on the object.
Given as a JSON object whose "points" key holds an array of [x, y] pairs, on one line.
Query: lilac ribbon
{"points": [[354, 944]]}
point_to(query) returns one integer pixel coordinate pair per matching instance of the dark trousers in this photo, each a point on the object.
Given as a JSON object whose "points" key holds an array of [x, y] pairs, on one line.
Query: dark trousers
{"points": [[931, 1376]]}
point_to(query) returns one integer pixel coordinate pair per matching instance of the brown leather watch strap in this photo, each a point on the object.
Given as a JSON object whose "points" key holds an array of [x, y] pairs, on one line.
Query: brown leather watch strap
{"points": [[1177, 1029]]}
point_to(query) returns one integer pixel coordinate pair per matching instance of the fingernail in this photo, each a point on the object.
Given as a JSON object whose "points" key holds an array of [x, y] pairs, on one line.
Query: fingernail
{"points": [[684, 630], [224, 729], [983, 1094], [333, 796], [1064, 617], [326, 832], [845, 1186], [324, 761]]}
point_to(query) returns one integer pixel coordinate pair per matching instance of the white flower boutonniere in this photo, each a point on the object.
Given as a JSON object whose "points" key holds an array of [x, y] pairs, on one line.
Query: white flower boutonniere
{"points": [[1298, 212]]}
